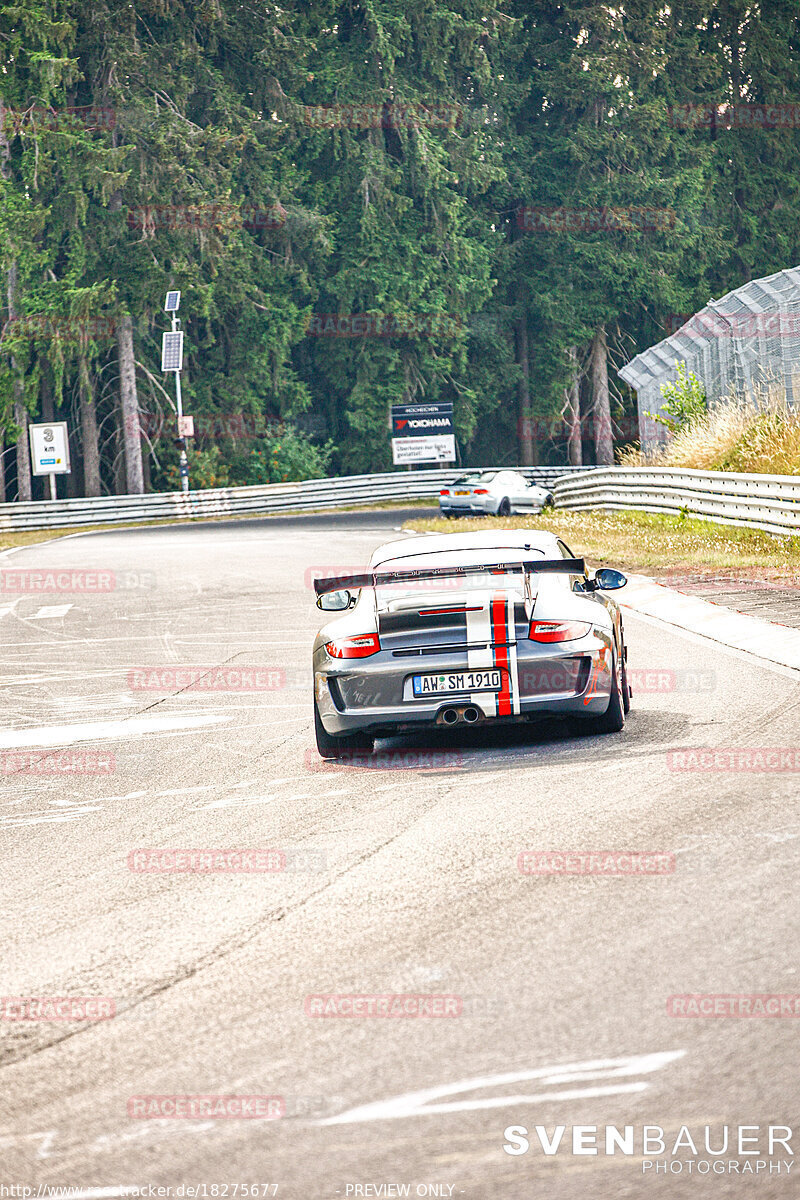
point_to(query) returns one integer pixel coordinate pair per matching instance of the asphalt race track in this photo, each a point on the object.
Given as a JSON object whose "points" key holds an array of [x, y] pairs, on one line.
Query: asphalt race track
{"points": [[399, 879]]}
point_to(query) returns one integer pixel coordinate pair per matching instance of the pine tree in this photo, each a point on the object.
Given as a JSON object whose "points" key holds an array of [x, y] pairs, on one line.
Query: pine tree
{"points": [[397, 155], [613, 193]]}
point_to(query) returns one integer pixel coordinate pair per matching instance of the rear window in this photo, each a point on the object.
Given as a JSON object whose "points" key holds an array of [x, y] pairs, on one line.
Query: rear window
{"points": [[446, 585], [475, 477]]}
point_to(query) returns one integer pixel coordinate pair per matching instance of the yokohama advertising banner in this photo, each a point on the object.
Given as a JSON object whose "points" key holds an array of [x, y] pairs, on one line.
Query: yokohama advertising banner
{"points": [[423, 433]]}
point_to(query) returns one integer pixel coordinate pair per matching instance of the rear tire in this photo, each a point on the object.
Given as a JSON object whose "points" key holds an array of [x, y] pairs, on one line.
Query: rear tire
{"points": [[613, 719], [504, 508], [330, 746], [549, 502]]}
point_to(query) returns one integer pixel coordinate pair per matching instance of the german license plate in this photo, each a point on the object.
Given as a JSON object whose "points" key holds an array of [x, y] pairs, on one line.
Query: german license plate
{"points": [[456, 681]]}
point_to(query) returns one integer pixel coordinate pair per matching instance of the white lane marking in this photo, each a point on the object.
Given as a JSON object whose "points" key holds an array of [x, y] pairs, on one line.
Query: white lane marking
{"points": [[778, 836], [413, 1104], [51, 610], [763, 639], [47, 819], [66, 735], [8, 608], [249, 801], [176, 642], [45, 1138], [709, 643]]}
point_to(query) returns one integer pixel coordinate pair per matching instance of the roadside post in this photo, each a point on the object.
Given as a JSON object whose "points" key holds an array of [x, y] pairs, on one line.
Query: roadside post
{"points": [[172, 360], [50, 451]]}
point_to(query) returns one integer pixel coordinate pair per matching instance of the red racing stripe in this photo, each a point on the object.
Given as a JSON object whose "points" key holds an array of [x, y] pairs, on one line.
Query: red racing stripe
{"points": [[500, 639]]}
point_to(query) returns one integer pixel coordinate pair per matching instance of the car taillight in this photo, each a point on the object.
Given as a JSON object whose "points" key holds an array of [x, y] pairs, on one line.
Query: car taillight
{"points": [[558, 631], [480, 491], [354, 647], [444, 492]]}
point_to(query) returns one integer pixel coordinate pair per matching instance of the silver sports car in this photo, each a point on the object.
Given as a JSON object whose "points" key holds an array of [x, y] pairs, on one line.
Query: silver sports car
{"points": [[465, 628], [492, 493]]}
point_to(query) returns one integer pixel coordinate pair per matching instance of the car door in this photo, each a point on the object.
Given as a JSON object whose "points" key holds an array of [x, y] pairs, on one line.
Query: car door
{"points": [[520, 493]]}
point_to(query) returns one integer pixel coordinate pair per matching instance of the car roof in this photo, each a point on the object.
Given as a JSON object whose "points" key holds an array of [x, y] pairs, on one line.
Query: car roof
{"points": [[448, 543]]}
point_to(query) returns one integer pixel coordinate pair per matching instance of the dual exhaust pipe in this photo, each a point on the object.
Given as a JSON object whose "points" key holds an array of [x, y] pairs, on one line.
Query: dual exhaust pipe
{"points": [[467, 715]]}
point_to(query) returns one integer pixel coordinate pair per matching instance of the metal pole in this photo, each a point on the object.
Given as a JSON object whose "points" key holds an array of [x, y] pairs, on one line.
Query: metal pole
{"points": [[53, 493], [184, 461]]}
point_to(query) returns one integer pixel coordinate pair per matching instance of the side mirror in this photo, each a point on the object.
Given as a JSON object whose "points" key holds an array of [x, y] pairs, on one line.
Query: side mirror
{"points": [[335, 601], [606, 579]]}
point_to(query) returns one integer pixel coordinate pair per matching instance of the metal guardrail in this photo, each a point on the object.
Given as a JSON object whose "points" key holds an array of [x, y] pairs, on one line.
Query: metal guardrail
{"points": [[241, 501], [769, 502]]}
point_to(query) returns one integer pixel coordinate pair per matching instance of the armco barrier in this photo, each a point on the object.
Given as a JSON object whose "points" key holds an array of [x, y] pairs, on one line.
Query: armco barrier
{"points": [[769, 502], [271, 498]]}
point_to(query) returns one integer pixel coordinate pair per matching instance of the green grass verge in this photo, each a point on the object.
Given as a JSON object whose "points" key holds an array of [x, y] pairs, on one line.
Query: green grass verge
{"points": [[651, 543]]}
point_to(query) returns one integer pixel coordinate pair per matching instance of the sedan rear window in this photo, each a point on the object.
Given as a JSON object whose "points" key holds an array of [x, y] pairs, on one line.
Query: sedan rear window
{"points": [[475, 477]]}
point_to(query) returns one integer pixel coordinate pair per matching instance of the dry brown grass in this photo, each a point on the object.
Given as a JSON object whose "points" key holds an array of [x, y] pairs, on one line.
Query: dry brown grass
{"points": [[733, 437]]}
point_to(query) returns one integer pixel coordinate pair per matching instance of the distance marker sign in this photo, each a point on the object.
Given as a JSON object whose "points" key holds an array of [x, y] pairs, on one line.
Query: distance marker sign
{"points": [[49, 449]]}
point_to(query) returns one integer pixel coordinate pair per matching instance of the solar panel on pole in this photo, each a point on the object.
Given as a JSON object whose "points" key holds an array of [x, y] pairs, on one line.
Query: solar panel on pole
{"points": [[172, 351]]}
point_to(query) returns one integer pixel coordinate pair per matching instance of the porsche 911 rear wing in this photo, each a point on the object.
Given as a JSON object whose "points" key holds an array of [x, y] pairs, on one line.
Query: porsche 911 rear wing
{"points": [[538, 566]]}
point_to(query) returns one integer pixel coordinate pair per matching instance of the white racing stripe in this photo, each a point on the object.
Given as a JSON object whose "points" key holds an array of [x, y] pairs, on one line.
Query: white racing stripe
{"points": [[481, 657], [479, 651], [511, 632]]}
